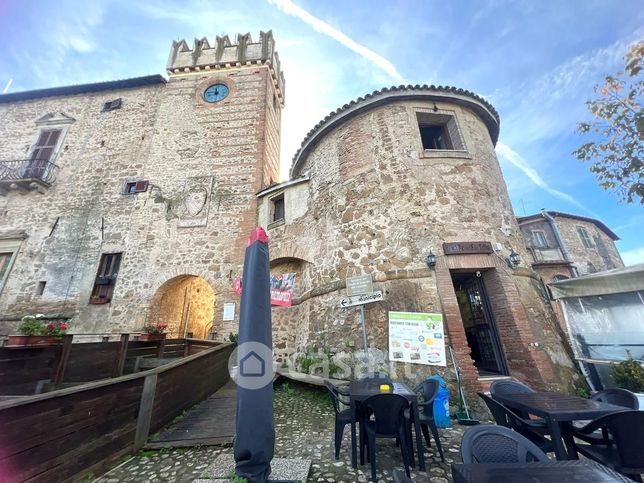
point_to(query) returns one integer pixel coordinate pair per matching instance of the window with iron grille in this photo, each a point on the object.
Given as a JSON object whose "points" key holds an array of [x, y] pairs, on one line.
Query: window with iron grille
{"points": [[133, 187], [105, 278], [586, 240]]}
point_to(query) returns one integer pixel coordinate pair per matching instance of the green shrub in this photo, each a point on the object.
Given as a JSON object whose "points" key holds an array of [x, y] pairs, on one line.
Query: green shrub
{"points": [[234, 338], [30, 325], [629, 374]]}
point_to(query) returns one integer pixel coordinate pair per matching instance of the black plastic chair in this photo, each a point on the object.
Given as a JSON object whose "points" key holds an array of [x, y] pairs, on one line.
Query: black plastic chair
{"points": [[384, 417], [496, 444], [618, 397], [623, 451], [342, 416], [376, 378], [532, 429], [429, 390], [509, 386], [400, 477]]}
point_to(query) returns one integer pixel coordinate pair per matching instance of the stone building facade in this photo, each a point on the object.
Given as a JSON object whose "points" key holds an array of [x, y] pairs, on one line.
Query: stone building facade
{"points": [[144, 169], [147, 217], [563, 245]]}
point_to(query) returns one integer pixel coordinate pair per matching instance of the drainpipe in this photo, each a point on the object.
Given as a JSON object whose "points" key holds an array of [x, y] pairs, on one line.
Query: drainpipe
{"points": [[562, 245]]}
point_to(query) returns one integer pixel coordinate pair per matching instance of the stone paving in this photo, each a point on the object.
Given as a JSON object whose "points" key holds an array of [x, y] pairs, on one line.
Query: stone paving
{"points": [[304, 429]]}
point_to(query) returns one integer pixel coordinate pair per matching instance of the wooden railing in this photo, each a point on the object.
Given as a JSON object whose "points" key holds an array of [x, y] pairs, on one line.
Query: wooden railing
{"points": [[72, 433], [29, 370]]}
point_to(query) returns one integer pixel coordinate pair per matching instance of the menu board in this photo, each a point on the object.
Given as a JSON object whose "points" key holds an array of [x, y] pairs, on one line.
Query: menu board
{"points": [[417, 338]]}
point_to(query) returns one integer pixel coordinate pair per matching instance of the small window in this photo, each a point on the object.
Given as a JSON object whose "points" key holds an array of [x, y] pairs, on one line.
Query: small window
{"points": [[439, 131], [105, 278], [559, 278], [585, 237], [112, 105], [277, 203], [134, 187], [539, 239], [40, 289]]}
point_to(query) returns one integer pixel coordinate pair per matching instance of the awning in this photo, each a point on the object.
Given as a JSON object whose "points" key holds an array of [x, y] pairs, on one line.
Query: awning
{"points": [[618, 280]]}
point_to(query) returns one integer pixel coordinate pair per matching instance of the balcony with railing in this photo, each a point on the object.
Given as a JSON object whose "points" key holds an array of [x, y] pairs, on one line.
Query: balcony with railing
{"points": [[26, 175]]}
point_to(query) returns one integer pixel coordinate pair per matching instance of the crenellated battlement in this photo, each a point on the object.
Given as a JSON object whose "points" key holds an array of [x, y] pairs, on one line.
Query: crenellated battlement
{"points": [[224, 54]]}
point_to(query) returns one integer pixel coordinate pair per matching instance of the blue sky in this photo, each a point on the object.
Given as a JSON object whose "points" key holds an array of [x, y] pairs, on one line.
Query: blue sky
{"points": [[535, 61]]}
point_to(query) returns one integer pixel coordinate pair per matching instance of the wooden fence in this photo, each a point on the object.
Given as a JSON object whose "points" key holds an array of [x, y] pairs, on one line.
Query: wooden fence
{"points": [[25, 371], [71, 433]]}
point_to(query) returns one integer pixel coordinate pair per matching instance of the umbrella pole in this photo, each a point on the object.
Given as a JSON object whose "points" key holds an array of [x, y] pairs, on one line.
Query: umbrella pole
{"points": [[364, 331]]}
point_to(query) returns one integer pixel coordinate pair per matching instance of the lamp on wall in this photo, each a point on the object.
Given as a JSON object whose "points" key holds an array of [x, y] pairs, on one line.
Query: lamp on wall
{"points": [[430, 260], [514, 259]]}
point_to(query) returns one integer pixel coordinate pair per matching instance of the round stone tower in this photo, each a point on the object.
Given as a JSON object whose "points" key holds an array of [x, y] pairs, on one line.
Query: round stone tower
{"points": [[377, 186]]}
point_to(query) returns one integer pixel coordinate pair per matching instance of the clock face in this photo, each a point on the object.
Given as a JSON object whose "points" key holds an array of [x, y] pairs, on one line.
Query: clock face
{"points": [[215, 93]]}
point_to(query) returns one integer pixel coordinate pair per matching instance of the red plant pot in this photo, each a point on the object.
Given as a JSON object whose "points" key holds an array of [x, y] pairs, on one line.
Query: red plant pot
{"points": [[32, 341], [152, 336]]}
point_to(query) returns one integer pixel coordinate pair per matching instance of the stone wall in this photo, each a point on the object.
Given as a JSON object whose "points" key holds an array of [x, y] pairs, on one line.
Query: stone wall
{"points": [[602, 256], [204, 163], [377, 204]]}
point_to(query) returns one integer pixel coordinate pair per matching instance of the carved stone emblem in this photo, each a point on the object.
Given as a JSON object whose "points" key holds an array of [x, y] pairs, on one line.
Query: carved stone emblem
{"points": [[193, 207]]}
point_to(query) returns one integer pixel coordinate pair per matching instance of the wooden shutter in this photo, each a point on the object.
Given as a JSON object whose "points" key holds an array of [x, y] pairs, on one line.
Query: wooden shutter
{"points": [[45, 145], [141, 186]]}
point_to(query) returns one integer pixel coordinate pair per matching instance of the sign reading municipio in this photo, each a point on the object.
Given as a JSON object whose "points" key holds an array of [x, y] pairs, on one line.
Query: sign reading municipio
{"points": [[362, 299], [460, 248], [359, 285]]}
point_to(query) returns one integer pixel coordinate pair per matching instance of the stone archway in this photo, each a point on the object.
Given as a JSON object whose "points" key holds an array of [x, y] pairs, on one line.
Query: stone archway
{"points": [[185, 303]]}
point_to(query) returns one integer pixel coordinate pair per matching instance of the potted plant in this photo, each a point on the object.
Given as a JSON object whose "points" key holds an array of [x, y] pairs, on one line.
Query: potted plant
{"points": [[34, 333], [629, 374], [153, 332]]}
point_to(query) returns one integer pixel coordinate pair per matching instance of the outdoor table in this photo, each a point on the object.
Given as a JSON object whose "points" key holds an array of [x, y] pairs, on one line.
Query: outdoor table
{"points": [[537, 472], [361, 390], [557, 408]]}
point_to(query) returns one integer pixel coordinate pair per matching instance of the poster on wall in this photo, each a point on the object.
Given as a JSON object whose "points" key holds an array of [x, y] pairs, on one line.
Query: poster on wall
{"points": [[282, 289], [417, 338]]}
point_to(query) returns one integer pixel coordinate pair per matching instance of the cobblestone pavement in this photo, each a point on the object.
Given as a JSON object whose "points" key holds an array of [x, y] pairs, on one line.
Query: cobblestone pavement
{"points": [[304, 429]]}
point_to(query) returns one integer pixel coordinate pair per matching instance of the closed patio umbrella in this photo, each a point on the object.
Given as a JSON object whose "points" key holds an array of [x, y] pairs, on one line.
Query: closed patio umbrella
{"points": [[255, 432]]}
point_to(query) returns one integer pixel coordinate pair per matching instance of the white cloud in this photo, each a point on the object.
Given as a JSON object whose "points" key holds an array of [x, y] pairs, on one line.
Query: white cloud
{"points": [[633, 257], [507, 153], [289, 8]]}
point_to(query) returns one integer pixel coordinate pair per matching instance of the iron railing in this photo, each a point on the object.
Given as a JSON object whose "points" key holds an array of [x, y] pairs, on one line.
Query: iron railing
{"points": [[28, 169]]}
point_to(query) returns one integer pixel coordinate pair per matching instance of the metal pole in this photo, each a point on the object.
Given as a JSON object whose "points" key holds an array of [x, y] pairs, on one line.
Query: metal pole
{"points": [[364, 330]]}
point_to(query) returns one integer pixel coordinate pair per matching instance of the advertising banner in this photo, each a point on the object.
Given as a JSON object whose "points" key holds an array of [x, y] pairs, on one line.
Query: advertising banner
{"points": [[282, 289], [417, 338]]}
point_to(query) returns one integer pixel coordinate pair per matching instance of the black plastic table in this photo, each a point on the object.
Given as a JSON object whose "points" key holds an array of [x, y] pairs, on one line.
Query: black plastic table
{"points": [[361, 390], [586, 471], [557, 409]]}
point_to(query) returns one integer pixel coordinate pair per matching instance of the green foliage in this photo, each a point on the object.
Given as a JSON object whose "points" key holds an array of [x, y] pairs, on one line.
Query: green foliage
{"points": [[617, 150], [629, 374], [582, 392], [180, 417], [317, 362], [31, 326], [236, 479], [88, 478], [234, 338]]}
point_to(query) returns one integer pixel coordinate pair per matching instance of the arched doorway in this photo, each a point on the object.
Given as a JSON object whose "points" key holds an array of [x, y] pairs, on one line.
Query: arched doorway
{"points": [[186, 304]]}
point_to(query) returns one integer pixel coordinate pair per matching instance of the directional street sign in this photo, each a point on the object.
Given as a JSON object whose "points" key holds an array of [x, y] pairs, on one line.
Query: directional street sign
{"points": [[362, 299]]}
